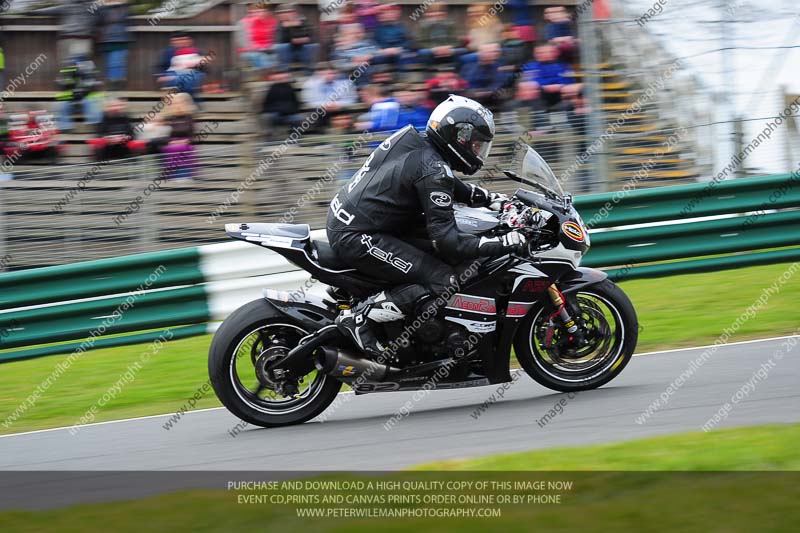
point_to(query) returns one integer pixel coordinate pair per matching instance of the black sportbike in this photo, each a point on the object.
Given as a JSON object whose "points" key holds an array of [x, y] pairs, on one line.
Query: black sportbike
{"points": [[280, 360]]}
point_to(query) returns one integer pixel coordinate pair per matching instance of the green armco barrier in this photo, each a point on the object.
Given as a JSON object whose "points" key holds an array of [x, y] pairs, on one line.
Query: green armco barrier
{"points": [[697, 266], [179, 332], [49, 310], [181, 306], [696, 239], [95, 278], [689, 201]]}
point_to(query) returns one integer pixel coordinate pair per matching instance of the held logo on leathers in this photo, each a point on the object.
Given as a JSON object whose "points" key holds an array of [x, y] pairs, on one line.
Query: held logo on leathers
{"points": [[442, 199], [340, 213], [386, 257]]}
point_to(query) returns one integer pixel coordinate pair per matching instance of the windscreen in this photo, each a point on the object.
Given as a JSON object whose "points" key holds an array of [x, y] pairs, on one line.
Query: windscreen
{"points": [[528, 164]]}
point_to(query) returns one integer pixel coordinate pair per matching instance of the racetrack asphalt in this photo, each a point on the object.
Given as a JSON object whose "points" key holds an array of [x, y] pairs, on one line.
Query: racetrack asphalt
{"points": [[441, 425]]}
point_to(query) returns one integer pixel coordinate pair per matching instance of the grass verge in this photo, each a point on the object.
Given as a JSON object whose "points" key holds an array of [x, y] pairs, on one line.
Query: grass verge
{"points": [[673, 312], [751, 448], [612, 500]]}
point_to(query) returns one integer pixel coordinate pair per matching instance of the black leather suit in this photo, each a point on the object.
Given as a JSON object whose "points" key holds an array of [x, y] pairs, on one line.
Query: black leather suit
{"points": [[405, 188]]}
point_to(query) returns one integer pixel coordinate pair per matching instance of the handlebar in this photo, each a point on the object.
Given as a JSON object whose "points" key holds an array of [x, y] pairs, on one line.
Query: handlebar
{"points": [[524, 214]]}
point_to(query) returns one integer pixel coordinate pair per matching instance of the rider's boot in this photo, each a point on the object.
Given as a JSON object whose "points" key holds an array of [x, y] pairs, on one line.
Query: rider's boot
{"points": [[358, 323]]}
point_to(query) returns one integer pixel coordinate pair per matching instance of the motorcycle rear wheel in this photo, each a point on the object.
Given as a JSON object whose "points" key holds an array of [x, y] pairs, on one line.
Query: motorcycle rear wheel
{"points": [[254, 336]]}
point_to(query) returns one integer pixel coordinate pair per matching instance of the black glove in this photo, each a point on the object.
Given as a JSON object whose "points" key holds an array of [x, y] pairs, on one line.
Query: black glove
{"points": [[481, 197], [510, 242]]}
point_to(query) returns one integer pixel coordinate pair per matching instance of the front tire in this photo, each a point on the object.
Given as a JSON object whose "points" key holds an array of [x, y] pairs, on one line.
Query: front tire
{"points": [[613, 329], [253, 333]]}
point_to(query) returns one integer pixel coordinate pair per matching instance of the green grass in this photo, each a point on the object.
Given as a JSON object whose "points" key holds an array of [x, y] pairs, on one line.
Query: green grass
{"points": [[693, 310], [707, 500], [752, 448], [163, 384], [673, 312]]}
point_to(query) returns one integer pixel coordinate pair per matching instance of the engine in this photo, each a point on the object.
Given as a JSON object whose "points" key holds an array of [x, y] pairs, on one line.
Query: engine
{"points": [[434, 339]]}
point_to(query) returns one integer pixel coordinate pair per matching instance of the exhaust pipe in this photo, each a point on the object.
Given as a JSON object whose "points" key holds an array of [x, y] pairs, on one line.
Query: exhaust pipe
{"points": [[300, 354], [341, 364]]}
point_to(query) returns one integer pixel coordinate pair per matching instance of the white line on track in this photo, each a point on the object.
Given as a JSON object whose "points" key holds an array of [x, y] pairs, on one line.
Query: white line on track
{"points": [[351, 392], [719, 345], [108, 422]]}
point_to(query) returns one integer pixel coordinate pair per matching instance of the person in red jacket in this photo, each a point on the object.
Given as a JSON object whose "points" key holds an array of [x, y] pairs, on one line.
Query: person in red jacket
{"points": [[445, 83], [257, 36]]}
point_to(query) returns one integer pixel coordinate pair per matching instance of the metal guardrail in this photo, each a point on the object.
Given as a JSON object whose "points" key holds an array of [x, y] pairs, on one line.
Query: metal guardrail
{"points": [[651, 233], [674, 230], [70, 213], [111, 302]]}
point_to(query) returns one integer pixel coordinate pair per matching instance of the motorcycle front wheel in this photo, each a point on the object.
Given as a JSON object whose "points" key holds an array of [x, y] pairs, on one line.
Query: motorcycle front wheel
{"points": [[609, 327]]}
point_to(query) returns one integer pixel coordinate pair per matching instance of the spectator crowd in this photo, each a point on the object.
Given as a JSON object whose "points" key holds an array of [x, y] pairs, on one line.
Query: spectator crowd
{"points": [[365, 65], [99, 29], [372, 68]]}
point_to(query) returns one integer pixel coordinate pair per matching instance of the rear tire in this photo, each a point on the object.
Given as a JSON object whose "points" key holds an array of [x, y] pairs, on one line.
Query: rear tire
{"points": [[533, 357], [250, 319]]}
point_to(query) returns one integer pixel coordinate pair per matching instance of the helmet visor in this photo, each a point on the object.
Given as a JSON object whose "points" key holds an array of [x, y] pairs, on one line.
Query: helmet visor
{"points": [[481, 148]]}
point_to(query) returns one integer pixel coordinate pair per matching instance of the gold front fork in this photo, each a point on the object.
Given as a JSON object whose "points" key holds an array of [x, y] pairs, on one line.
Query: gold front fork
{"points": [[558, 300]]}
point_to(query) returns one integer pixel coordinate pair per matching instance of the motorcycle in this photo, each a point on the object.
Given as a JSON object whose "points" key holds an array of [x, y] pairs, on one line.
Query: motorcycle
{"points": [[281, 360]]}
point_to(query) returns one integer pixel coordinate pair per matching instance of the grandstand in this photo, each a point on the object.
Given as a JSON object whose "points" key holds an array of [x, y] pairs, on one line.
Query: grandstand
{"points": [[226, 182]]}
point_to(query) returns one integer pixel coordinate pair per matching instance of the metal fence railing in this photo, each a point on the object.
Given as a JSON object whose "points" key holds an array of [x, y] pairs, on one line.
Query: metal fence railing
{"points": [[648, 123], [747, 222], [60, 214]]}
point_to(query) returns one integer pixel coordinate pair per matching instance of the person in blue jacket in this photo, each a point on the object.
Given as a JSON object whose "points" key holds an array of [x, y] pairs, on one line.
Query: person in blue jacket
{"points": [[548, 72], [520, 12], [392, 38], [487, 75], [384, 111], [113, 40], [412, 111]]}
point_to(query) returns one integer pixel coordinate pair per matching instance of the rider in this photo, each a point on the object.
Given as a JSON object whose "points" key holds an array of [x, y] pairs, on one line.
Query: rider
{"points": [[409, 175]]}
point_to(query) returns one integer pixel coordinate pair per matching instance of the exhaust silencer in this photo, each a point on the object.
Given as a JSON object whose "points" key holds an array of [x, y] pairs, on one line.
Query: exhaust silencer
{"points": [[299, 355], [341, 364]]}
